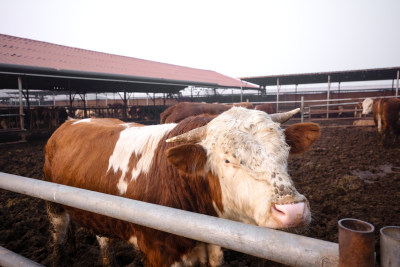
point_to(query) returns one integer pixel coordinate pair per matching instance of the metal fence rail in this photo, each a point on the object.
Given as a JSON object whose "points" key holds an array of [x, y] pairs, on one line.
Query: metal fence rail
{"points": [[286, 248], [11, 259]]}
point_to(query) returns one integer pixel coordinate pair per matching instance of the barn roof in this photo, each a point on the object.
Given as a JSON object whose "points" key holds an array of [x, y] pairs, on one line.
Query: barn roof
{"points": [[322, 77], [51, 66]]}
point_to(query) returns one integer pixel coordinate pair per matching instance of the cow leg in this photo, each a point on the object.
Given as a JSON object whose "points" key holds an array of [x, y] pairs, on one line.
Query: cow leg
{"points": [[59, 221], [107, 253], [215, 255]]}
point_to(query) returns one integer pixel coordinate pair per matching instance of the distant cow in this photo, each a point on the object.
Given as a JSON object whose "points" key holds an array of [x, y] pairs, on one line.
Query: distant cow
{"points": [[233, 166], [358, 110], [182, 110], [386, 113], [266, 107]]}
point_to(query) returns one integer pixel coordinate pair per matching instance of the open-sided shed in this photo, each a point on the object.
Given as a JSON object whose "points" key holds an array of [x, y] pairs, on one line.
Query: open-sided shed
{"points": [[29, 64]]}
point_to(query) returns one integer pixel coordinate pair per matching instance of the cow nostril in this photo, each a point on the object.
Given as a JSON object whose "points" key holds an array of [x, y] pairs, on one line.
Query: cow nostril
{"points": [[275, 209], [290, 214]]}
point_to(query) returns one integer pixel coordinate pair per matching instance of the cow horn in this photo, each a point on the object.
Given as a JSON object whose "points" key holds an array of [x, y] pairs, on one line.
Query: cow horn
{"points": [[195, 135], [283, 117]]}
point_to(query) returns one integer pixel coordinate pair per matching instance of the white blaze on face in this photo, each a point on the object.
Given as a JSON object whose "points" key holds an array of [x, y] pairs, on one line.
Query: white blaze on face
{"points": [[141, 141], [367, 106], [248, 152]]}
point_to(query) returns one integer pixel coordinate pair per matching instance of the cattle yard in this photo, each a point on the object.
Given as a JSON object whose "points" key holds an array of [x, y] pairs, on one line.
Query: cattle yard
{"points": [[342, 176], [350, 179], [340, 115]]}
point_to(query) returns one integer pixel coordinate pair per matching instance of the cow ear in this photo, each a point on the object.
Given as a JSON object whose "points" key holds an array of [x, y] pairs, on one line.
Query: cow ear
{"points": [[188, 158], [300, 136]]}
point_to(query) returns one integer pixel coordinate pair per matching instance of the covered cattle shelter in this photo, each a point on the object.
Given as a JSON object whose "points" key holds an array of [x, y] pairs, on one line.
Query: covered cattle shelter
{"points": [[27, 64], [326, 77]]}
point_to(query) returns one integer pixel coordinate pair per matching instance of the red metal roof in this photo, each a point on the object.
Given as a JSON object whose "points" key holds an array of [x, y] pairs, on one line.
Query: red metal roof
{"points": [[15, 51]]}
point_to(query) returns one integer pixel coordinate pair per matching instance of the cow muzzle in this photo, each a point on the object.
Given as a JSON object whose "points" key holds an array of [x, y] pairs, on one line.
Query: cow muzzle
{"points": [[291, 215]]}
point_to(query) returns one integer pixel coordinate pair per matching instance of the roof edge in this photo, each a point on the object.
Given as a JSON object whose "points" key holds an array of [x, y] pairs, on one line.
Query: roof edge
{"points": [[16, 69]]}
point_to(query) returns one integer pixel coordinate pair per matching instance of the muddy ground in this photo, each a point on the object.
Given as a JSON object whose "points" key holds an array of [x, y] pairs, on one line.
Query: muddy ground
{"points": [[344, 175]]}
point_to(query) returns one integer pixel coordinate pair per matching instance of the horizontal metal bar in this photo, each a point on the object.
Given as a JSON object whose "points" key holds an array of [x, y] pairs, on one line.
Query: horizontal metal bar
{"points": [[11, 259], [283, 247], [11, 115]]}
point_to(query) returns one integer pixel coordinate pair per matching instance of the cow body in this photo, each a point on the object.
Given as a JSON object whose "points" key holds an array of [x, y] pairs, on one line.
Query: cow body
{"points": [[182, 110], [236, 169], [386, 112], [266, 107]]}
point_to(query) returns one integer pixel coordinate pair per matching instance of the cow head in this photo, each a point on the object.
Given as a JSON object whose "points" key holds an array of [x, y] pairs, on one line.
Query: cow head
{"points": [[247, 151], [367, 106]]}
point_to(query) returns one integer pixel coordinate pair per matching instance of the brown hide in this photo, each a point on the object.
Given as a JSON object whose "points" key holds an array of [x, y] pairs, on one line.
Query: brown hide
{"points": [[182, 110], [78, 156], [300, 136], [266, 107], [387, 112]]}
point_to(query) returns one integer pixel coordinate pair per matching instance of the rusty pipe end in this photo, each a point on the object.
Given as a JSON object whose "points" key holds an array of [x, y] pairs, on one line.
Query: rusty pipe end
{"points": [[356, 243]]}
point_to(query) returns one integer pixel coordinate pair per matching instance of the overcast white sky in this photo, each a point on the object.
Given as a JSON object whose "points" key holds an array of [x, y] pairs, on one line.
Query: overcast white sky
{"points": [[235, 38]]}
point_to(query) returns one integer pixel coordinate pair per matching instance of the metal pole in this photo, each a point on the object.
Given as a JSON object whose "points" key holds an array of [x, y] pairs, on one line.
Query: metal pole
{"points": [[328, 96], [21, 111], [390, 246], [277, 95], [283, 247], [241, 92], [11, 259], [125, 108], [397, 84], [302, 108]]}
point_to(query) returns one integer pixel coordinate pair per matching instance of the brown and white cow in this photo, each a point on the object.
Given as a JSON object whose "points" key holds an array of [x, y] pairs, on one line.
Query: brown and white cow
{"points": [[233, 166], [182, 110], [386, 112]]}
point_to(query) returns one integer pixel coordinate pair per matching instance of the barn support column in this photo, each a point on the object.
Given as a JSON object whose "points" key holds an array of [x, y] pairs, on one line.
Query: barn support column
{"points": [[295, 96], [277, 94], [124, 108], [328, 96], [27, 98], [71, 101], [241, 92], [397, 84], [83, 97], [21, 110]]}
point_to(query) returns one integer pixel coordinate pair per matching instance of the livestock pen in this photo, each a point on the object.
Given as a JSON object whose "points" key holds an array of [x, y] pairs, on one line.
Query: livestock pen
{"points": [[344, 175]]}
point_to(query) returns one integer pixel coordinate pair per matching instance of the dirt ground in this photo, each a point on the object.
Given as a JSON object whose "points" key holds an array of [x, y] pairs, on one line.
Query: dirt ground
{"points": [[344, 175]]}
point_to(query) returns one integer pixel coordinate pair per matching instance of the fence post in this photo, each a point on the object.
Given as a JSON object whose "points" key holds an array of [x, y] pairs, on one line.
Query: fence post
{"points": [[302, 108], [21, 110]]}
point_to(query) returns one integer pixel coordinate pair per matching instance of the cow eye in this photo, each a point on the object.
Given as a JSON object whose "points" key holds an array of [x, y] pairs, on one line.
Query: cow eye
{"points": [[227, 161]]}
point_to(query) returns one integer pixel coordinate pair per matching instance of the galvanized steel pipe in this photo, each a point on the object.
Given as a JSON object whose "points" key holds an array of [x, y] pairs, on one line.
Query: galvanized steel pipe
{"points": [[11, 259], [286, 248], [390, 246]]}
